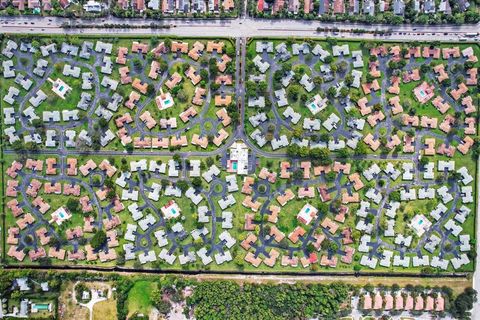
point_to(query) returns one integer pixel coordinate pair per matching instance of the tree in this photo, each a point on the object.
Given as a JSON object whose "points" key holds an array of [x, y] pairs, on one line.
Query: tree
{"points": [[163, 306], [98, 239], [168, 43], [137, 63], [227, 300], [177, 158], [332, 91], [73, 205], [182, 185], [182, 96], [462, 305], [293, 92], [209, 161], [317, 80], [197, 182], [297, 174]]}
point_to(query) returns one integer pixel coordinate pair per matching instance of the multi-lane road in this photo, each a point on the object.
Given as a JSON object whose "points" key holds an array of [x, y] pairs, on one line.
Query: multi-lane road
{"points": [[240, 28]]}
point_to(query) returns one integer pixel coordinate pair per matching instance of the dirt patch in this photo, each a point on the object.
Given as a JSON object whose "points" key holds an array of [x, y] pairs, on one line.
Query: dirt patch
{"points": [[67, 309], [105, 310]]}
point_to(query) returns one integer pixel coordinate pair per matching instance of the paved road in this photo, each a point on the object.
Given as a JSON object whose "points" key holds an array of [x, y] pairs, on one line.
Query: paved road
{"points": [[240, 27], [246, 27], [476, 274]]}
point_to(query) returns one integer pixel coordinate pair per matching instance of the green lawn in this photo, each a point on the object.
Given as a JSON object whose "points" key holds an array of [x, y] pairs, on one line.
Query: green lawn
{"points": [[138, 300]]}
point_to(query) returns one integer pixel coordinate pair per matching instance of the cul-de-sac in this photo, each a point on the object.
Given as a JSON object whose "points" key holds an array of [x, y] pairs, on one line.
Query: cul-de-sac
{"points": [[276, 155], [346, 155]]}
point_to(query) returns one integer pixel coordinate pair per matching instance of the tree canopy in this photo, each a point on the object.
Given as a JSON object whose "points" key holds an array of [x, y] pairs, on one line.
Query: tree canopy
{"points": [[229, 300]]}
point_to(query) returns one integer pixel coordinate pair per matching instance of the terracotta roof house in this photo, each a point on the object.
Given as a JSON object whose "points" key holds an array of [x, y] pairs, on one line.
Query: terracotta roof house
{"points": [[451, 52], [285, 197], [222, 100], [296, 234], [373, 143], [408, 144], [331, 226], [178, 46], [441, 73], [138, 47], [273, 212], [154, 70], [472, 77], [459, 91], [347, 198], [254, 261], [122, 55], [342, 167], [467, 102], [431, 52], [413, 52], [247, 185], [249, 240], [12, 171], [362, 104], [466, 144], [429, 147], [441, 104], [444, 150], [222, 64], [215, 46], [140, 86], [186, 115], [196, 50], [220, 137], [159, 49], [328, 262], [429, 304], [356, 181], [284, 170], [14, 253], [348, 257], [395, 85], [173, 80], [51, 166]]}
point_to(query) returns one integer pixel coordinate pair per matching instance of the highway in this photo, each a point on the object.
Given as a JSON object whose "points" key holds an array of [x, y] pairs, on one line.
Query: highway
{"points": [[239, 28]]}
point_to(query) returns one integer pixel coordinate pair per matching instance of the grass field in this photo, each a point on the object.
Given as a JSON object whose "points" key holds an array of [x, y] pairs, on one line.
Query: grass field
{"points": [[139, 297]]}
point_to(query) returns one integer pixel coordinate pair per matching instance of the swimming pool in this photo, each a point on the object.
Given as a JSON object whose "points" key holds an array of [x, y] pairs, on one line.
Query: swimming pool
{"points": [[42, 306]]}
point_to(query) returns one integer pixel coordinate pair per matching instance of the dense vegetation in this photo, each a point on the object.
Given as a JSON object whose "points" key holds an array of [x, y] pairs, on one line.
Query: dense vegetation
{"points": [[463, 304], [229, 300]]}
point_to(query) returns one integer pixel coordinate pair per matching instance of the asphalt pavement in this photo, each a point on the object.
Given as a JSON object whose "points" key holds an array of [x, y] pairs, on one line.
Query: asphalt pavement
{"points": [[241, 27]]}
